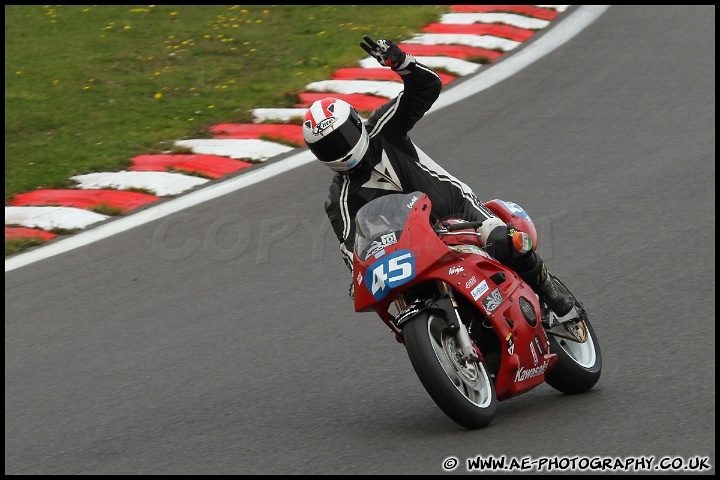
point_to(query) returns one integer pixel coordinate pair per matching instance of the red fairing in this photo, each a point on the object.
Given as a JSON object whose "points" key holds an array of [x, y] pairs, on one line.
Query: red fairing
{"points": [[493, 290]]}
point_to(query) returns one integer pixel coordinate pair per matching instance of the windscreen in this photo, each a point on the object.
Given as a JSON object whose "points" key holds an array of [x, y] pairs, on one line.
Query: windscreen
{"points": [[380, 222]]}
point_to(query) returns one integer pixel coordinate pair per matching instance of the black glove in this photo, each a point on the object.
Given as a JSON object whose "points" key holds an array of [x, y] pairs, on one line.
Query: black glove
{"points": [[387, 53]]}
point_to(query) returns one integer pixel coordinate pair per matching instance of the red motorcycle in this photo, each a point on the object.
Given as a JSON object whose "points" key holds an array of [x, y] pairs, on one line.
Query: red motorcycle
{"points": [[475, 333]]}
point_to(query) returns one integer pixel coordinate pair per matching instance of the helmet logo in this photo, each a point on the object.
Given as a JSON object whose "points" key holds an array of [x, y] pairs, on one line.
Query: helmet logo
{"points": [[321, 116], [321, 126]]}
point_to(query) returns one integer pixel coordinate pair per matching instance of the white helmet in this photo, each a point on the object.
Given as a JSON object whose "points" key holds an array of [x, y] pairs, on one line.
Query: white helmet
{"points": [[335, 134]]}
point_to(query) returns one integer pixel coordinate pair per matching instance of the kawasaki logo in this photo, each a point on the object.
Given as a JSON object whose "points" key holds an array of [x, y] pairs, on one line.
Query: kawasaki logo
{"points": [[524, 374]]}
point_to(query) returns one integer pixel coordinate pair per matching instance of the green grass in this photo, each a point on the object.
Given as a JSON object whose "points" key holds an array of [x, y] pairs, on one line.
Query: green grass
{"points": [[89, 87], [21, 244]]}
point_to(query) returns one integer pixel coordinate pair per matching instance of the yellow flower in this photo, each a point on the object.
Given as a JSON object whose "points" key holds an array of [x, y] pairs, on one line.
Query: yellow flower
{"points": [[158, 95]]}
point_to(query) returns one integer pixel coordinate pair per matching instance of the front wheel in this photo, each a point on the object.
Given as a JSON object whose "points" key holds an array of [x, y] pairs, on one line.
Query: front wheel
{"points": [[579, 360], [462, 390]]}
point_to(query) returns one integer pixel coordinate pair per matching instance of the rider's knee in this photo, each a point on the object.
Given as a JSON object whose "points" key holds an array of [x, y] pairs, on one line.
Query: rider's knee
{"points": [[499, 244], [496, 239]]}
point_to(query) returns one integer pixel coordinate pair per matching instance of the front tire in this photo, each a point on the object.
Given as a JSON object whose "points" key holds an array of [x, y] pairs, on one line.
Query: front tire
{"points": [[462, 390]]}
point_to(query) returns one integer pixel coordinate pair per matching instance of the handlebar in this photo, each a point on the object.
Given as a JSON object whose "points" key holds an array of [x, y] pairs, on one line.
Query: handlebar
{"points": [[448, 227]]}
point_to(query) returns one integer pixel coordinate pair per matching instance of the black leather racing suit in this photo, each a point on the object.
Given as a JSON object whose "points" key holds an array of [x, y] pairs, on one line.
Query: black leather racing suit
{"points": [[393, 164]]}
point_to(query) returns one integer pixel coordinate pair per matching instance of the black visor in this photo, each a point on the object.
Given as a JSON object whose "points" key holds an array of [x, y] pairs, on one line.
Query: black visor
{"points": [[340, 141]]}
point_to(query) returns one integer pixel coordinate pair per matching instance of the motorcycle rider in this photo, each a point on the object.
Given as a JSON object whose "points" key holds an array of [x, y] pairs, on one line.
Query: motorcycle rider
{"points": [[376, 158]]}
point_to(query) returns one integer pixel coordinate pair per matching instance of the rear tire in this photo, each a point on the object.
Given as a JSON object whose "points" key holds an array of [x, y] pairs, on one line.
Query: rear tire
{"points": [[463, 391], [579, 359]]}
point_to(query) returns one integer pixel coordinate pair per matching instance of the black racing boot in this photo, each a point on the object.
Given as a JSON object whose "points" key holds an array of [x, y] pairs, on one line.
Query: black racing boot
{"points": [[556, 297]]}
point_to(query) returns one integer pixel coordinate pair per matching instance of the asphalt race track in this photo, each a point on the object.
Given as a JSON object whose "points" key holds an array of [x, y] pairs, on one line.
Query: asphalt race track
{"points": [[221, 339]]}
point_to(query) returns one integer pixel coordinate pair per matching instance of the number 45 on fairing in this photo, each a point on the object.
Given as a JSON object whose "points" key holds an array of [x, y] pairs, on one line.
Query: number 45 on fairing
{"points": [[389, 272]]}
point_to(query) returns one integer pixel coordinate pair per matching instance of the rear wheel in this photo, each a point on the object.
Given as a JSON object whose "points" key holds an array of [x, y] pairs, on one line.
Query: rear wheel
{"points": [[579, 359], [462, 389]]}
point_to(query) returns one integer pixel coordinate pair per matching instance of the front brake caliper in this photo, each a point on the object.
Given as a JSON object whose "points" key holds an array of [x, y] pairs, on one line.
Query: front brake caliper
{"points": [[578, 330]]}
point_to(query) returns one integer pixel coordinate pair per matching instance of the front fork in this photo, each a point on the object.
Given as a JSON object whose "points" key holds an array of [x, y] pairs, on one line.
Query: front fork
{"points": [[447, 303], [469, 352]]}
